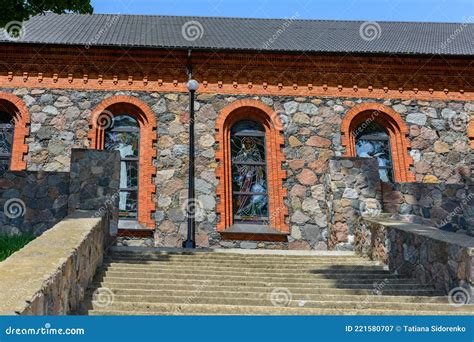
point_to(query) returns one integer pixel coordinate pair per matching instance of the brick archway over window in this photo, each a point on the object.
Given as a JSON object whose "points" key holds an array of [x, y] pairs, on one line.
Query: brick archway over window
{"points": [[470, 131], [16, 107], [123, 104], [396, 128], [259, 112]]}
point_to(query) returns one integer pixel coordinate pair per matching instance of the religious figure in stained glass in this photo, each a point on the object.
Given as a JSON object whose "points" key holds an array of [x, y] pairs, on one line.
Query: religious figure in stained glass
{"points": [[372, 141], [124, 136], [6, 141], [249, 176]]}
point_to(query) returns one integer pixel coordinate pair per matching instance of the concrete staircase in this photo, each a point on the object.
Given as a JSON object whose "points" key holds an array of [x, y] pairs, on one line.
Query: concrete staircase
{"points": [[149, 282]]}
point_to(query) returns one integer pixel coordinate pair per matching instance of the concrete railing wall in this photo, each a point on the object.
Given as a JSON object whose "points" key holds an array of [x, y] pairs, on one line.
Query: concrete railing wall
{"points": [[49, 276]]}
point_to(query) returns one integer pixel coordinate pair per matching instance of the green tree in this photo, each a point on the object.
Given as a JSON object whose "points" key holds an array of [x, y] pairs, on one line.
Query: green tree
{"points": [[21, 10]]}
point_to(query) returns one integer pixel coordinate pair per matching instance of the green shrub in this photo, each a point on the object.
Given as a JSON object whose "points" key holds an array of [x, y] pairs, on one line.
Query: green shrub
{"points": [[10, 244]]}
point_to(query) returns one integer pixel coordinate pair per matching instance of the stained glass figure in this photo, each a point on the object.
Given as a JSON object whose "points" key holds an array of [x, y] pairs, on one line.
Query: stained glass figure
{"points": [[124, 136], [249, 175], [372, 141], [6, 141]]}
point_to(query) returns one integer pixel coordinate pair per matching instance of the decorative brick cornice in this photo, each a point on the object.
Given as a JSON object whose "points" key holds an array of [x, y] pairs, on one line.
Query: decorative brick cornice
{"points": [[395, 77], [256, 111], [17, 108], [141, 111], [396, 128]]}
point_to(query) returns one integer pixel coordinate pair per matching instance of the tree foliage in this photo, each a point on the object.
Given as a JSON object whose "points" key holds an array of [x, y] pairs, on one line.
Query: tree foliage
{"points": [[21, 10]]}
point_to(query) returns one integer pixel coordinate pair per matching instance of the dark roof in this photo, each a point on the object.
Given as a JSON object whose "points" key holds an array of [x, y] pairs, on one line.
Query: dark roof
{"points": [[250, 34]]}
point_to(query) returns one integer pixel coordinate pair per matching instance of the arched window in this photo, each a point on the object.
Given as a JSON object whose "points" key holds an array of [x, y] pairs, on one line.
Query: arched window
{"points": [[133, 133], [251, 194], [249, 172], [373, 141], [124, 136], [373, 129], [6, 141]]}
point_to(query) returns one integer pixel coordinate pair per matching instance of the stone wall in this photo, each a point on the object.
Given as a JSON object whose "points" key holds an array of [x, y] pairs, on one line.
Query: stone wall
{"points": [[447, 206], [444, 260], [95, 177], [60, 121], [34, 201], [49, 276], [353, 190]]}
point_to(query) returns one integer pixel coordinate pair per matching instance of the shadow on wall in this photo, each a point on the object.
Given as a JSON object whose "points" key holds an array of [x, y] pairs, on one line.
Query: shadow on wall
{"points": [[31, 202]]}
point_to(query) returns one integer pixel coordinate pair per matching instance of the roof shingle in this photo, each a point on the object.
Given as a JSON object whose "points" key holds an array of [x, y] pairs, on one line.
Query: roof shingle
{"points": [[249, 34]]}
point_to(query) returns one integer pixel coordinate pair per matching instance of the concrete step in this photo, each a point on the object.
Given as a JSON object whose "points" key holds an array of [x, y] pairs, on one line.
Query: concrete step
{"points": [[246, 268], [328, 283], [199, 298], [190, 287], [256, 276], [215, 309], [369, 297]]}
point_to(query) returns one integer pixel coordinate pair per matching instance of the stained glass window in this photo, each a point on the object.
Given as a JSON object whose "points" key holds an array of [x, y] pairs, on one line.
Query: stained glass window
{"points": [[6, 141], [372, 141], [124, 136], [249, 174]]}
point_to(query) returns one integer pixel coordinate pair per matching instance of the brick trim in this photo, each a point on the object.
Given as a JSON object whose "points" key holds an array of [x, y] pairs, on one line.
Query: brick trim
{"points": [[396, 127], [470, 132], [141, 111], [257, 111], [16, 107]]}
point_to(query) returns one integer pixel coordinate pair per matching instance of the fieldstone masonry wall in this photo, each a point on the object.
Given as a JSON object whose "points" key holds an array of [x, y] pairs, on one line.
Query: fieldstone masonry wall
{"points": [[34, 201], [353, 191], [60, 121], [447, 206]]}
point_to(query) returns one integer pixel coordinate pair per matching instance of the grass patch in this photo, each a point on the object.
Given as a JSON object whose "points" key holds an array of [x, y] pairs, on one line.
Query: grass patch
{"points": [[10, 244]]}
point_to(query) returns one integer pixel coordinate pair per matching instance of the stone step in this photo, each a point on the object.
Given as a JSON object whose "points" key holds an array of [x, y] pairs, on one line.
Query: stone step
{"points": [[342, 283], [266, 293], [247, 268], [190, 287], [199, 298], [215, 309], [230, 258], [242, 276]]}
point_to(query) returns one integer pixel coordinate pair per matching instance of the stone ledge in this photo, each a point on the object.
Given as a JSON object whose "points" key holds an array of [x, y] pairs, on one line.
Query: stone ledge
{"points": [[444, 260], [458, 239], [50, 274]]}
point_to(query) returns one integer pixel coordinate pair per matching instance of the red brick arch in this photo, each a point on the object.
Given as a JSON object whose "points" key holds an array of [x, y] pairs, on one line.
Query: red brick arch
{"points": [[256, 111], [144, 115], [396, 127], [16, 107], [470, 131]]}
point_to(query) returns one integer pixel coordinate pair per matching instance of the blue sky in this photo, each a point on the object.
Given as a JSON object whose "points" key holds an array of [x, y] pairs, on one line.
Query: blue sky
{"points": [[392, 10]]}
